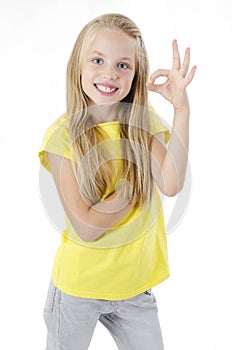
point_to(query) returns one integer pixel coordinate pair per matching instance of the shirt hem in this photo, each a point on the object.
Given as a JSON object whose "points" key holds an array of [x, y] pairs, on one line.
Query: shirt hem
{"points": [[109, 296]]}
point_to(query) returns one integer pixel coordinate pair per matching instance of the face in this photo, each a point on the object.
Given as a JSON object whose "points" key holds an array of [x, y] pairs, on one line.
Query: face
{"points": [[109, 67]]}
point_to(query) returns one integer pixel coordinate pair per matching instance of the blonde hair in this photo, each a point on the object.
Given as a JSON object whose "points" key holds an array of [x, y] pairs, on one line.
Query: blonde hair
{"points": [[95, 174]]}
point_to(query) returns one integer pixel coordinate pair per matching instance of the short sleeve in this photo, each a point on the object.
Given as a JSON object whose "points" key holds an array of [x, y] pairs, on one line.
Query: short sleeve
{"points": [[56, 141], [159, 126]]}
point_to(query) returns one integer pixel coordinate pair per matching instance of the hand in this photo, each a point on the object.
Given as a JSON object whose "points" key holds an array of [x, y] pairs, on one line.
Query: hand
{"points": [[174, 88]]}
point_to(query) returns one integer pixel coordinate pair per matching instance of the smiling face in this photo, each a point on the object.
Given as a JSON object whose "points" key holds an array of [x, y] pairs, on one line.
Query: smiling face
{"points": [[108, 67]]}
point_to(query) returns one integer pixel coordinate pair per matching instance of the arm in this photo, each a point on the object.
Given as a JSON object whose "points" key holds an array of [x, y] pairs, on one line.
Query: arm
{"points": [[89, 222], [169, 165]]}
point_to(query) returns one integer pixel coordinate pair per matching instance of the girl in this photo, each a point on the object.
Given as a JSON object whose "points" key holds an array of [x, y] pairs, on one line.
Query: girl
{"points": [[107, 154]]}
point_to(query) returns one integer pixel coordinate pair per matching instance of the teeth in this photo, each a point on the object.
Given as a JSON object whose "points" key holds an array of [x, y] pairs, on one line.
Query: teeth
{"points": [[105, 89]]}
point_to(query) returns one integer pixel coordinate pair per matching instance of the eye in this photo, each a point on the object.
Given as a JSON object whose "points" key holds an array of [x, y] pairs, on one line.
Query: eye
{"points": [[123, 65], [97, 61]]}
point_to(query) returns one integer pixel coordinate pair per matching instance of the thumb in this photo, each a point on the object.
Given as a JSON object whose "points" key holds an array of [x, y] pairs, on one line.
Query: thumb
{"points": [[154, 87]]}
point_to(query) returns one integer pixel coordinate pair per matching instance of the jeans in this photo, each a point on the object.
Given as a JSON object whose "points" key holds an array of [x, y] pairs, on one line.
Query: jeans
{"points": [[70, 320]]}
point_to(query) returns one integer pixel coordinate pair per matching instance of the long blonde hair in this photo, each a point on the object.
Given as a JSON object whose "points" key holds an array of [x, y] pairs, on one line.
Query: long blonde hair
{"points": [[95, 173]]}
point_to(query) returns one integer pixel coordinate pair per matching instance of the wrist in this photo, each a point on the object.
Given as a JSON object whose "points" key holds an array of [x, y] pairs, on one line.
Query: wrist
{"points": [[183, 110], [181, 102]]}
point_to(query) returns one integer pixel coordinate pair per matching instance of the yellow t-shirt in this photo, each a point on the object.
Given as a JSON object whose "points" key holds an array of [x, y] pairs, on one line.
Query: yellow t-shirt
{"points": [[127, 259]]}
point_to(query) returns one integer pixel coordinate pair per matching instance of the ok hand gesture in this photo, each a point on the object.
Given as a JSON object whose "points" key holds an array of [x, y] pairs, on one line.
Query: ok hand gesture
{"points": [[174, 88]]}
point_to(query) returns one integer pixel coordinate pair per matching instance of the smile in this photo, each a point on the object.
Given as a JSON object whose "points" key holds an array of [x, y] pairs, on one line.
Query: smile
{"points": [[106, 89]]}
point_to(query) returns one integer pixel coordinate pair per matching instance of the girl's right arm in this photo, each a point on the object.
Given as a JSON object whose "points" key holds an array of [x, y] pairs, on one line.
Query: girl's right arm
{"points": [[89, 222]]}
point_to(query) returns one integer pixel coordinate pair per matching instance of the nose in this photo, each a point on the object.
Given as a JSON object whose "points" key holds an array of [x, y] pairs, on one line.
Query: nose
{"points": [[109, 73]]}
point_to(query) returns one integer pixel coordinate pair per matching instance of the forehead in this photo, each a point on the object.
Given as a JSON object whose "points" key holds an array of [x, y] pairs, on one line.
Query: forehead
{"points": [[113, 42]]}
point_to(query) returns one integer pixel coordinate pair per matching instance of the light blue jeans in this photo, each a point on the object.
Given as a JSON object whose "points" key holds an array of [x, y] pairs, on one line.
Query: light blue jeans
{"points": [[70, 320]]}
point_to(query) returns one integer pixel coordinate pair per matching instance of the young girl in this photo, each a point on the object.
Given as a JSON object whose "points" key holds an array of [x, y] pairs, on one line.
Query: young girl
{"points": [[107, 154]]}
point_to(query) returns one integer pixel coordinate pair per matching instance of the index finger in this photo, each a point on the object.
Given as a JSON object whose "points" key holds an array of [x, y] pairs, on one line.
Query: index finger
{"points": [[176, 55]]}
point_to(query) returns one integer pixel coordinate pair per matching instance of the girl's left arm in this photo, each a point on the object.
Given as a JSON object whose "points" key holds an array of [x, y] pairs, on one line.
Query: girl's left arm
{"points": [[169, 165]]}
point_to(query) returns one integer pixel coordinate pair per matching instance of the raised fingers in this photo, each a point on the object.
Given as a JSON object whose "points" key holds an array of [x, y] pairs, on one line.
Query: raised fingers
{"points": [[177, 77], [176, 55], [190, 76], [185, 65]]}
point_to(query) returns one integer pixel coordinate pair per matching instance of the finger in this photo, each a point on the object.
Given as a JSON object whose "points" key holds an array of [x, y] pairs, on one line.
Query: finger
{"points": [[159, 73], [176, 55], [156, 87], [151, 86], [185, 66], [190, 76]]}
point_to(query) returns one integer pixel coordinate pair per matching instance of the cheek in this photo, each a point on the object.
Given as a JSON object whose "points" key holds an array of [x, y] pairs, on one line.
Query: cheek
{"points": [[85, 76], [88, 75]]}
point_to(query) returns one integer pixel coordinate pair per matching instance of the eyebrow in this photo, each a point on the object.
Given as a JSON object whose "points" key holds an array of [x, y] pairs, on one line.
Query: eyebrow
{"points": [[95, 52]]}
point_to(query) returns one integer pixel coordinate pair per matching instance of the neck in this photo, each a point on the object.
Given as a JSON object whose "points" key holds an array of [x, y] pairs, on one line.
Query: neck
{"points": [[103, 113]]}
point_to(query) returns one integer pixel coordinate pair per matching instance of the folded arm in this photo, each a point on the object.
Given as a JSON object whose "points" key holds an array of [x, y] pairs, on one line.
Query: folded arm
{"points": [[89, 222]]}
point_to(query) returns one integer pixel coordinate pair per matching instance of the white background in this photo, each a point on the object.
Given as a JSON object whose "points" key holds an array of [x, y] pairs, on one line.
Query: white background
{"points": [[36, 41]]}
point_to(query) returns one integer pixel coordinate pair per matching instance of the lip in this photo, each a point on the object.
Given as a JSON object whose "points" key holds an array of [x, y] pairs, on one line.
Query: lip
{"points": [[98, 87]]}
